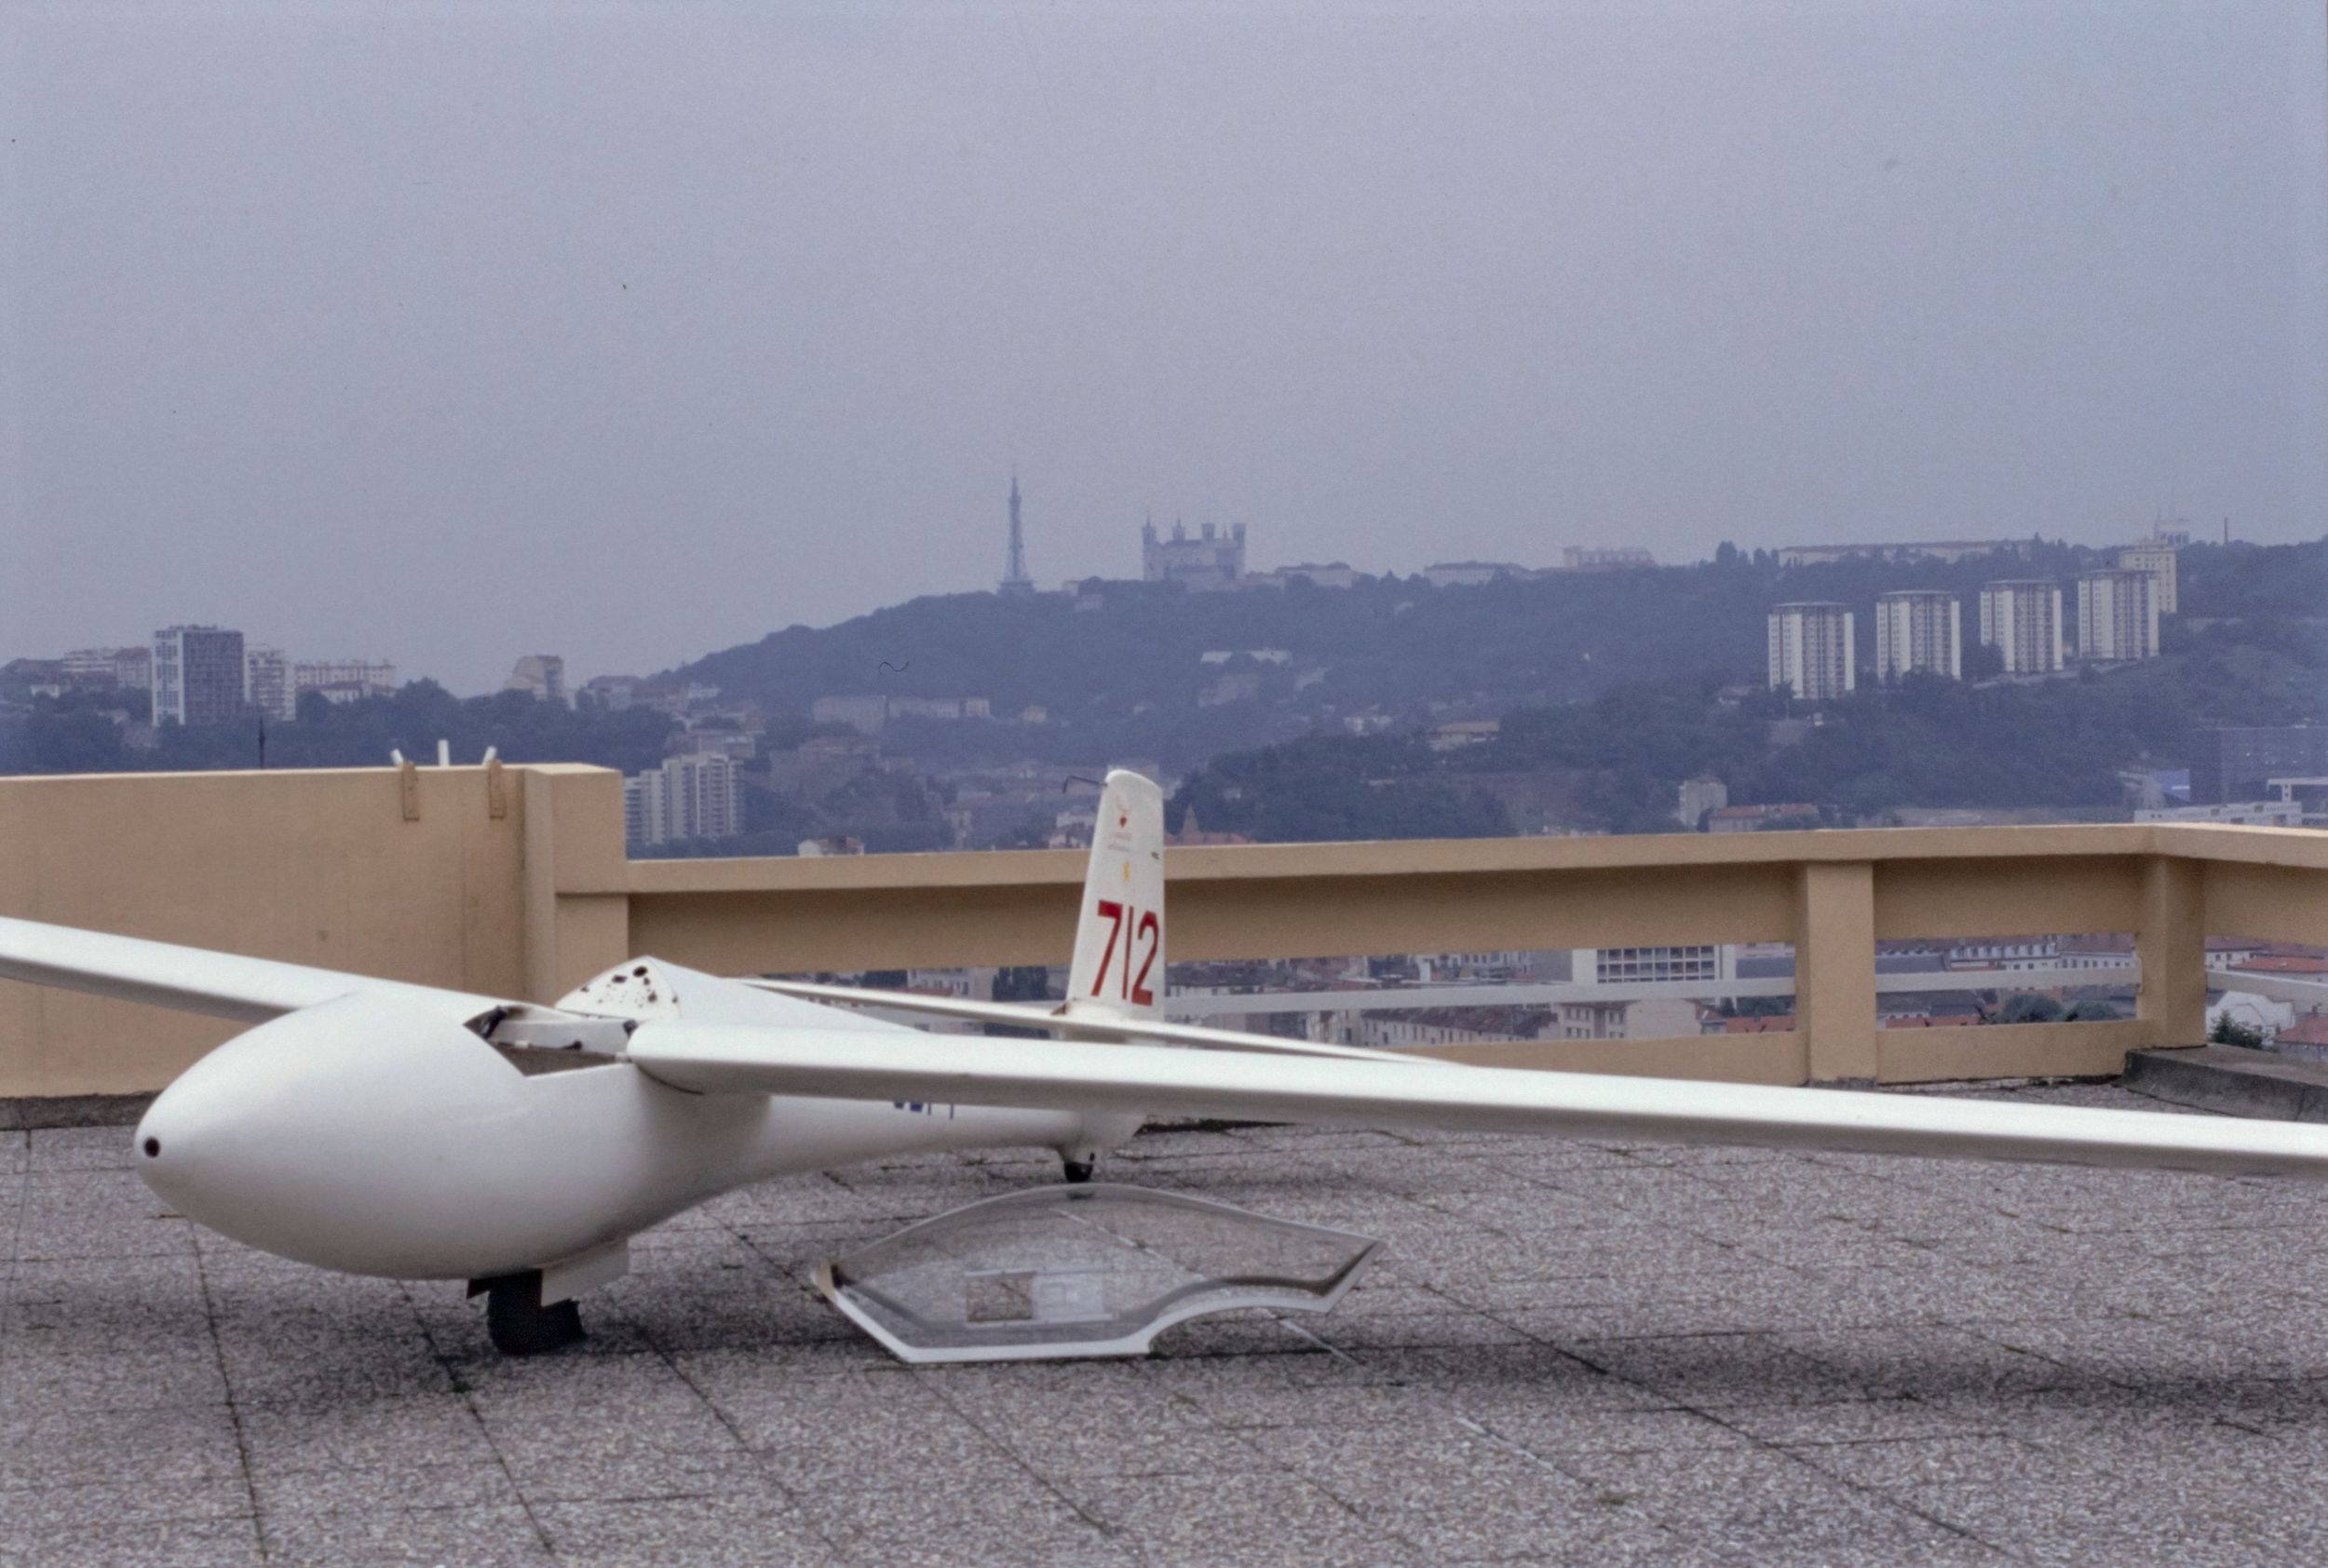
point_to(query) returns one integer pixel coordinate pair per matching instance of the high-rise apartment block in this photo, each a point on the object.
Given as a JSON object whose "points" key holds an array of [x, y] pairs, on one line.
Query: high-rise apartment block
{"points": [[695, 796], [267, 685], [2021, 619], [1918, 628], [1811, 651], [2156, 557], [197, 675], [2117, 616]]}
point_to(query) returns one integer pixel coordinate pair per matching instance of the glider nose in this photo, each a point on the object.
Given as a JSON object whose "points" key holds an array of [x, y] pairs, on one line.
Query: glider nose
{"points": [[169, 1144]]}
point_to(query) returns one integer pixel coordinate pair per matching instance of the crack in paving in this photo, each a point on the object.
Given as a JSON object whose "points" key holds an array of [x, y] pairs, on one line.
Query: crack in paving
{"points": [[468, 1397], [234, 1409]]}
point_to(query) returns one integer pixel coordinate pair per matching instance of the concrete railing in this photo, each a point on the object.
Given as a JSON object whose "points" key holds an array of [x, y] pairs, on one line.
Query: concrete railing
{"points": [[513, 880]]}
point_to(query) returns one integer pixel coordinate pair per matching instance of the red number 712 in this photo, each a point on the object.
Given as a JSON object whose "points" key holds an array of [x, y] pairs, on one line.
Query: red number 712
{"points": [[1145, 925]]}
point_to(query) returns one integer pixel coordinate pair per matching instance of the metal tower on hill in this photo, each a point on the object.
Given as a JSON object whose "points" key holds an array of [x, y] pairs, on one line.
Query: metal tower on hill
{"points": [[1015, 580]]}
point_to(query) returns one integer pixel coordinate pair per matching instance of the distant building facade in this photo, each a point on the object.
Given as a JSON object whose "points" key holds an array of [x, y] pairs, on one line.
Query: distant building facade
{"points": [[543, 676], [695, 796], [949, 709], [2238, 764], [1325, 575], [2156, 557], [2021, 619], [1932, 550], [266, 684], [1604, 557], [197, 675], [92, 666], [2117, 616], [1918, 628], [1811, 651], [2282, 813], [1710, 962], [613, 693], [130, 668], [1701, 796], [1754, 818], [344, 680], [866, 712], [1469, 574], [1211, 561], [134, 668]]}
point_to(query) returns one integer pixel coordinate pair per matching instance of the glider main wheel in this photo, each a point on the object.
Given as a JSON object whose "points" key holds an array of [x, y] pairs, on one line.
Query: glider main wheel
{"points": [[519, 1323], [1079, 1172]]}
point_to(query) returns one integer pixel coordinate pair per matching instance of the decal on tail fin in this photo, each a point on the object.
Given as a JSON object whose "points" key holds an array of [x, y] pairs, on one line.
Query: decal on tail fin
{"points": [[1119, 937]]}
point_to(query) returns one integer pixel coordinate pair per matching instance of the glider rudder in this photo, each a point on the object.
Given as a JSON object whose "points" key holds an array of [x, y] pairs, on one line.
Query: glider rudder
{"points": [[1119, 962]]}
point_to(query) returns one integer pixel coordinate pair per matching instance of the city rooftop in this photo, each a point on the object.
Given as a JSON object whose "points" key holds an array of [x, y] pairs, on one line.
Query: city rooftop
{"points": [[1566, 1353]]}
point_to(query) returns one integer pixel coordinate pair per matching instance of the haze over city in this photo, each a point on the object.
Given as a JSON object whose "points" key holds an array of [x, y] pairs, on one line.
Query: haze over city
{"points": [[441, 338]]}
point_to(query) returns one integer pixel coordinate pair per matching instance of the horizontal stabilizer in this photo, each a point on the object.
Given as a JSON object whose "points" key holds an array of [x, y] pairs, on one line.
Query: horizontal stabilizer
{"points": [[931, 1069]]}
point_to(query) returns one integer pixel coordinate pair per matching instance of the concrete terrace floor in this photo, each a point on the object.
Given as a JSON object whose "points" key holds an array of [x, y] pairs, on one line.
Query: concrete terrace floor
{"points": [[1569, 1353]]}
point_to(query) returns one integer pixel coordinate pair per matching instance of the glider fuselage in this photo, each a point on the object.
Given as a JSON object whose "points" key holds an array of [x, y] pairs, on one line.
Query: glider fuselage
{"points": [[382, 1139]]}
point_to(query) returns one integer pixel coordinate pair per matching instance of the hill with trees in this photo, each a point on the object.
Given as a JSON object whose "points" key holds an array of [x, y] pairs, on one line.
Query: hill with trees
{"points": [[1619, 757], [1298, 712], [1119, 668]]}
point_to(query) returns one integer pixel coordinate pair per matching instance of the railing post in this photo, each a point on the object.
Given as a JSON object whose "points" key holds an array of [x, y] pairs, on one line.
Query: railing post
{"points": [[577, 916], [1834, 970], [2170, 945]]}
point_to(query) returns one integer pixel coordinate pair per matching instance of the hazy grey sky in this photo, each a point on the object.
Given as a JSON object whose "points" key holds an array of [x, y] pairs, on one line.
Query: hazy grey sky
{"points": [[449, 334]]}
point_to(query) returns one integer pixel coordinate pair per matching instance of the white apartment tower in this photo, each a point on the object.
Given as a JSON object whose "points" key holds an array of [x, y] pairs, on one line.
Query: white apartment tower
{"points": [[1811, 648], [267, 685], [2117, 615], [2156, 557], [695, 796], [2021, 619], [197, 675], [1918, 628]]}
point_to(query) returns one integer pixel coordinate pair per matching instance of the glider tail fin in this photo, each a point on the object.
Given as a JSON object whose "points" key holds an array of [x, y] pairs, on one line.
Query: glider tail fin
{"points": [[1119, 962]]}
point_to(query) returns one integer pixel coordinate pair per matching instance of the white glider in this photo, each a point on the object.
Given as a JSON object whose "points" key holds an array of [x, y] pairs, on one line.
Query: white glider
{"points": [[388, 1129]]}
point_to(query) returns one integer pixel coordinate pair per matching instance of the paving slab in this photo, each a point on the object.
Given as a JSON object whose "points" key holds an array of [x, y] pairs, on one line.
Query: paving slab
{"points": [[1567, 1353]]}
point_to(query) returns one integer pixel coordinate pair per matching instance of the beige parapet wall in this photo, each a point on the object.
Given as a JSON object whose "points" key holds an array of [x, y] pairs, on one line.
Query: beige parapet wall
{"points": [[444, 875], [513, 880]]}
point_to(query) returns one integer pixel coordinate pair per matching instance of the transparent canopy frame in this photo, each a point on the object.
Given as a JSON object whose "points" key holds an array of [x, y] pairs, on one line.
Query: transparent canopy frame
{"points": [[1080, 1271]]}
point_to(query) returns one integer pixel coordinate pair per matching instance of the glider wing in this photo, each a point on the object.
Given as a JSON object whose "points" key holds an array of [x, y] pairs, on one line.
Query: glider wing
{"points": [[191, 979], [932, 1069]]}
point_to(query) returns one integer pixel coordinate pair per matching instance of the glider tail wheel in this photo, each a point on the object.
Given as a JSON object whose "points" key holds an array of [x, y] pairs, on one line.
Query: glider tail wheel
{"points": [[518, 1322]]}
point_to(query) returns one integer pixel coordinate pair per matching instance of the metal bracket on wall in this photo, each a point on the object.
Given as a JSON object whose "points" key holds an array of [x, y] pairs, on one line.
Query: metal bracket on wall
{"points": [[408, 786]]}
